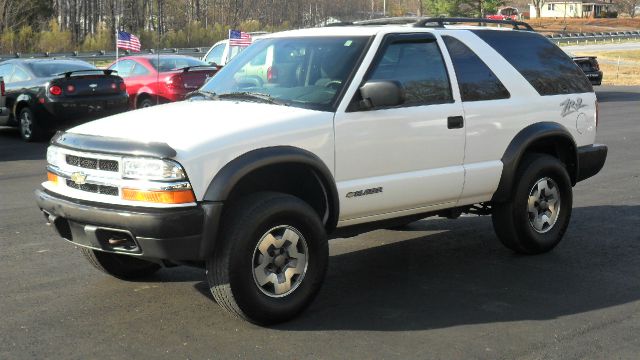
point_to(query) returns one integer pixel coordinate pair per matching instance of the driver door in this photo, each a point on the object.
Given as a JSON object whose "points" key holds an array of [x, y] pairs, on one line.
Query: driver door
{"points": [[404, 159]]}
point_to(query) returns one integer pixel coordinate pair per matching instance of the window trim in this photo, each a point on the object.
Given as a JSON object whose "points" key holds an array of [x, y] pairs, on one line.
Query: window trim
{"points": [[394, 38], [444, 36]]}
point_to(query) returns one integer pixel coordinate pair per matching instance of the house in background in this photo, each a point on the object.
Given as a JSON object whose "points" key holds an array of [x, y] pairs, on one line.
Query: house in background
{"points": [[573, 9]]}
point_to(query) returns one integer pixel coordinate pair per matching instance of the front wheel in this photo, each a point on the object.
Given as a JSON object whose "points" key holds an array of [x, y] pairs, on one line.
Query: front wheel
{"points": [[536, 216], [271, 259], [145, 103]]}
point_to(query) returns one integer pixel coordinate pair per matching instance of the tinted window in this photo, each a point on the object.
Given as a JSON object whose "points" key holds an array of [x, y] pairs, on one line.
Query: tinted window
{"points": [[547, 68], [51, 68], [175, 63], [419, 67], [477, 82], [215, 55]]}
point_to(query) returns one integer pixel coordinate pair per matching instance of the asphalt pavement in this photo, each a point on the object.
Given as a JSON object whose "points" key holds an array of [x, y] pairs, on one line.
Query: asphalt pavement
{"points": [[439, 288]]}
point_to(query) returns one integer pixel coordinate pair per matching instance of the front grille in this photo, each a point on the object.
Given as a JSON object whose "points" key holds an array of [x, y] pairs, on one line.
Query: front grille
{"points": [[93, 188], [89, 163]]}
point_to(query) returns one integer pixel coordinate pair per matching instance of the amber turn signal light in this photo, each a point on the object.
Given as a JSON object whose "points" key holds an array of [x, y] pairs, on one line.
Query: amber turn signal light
{"points": [[161, 197], [53, 178]]}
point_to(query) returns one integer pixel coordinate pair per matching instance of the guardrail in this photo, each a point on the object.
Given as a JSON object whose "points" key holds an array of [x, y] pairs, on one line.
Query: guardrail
{"points": [[95, 56], [577, 38]]}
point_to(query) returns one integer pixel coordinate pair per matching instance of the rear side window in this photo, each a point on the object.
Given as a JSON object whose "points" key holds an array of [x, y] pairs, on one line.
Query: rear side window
{"points": [[547, 68], [477, 82], [419, 67]]}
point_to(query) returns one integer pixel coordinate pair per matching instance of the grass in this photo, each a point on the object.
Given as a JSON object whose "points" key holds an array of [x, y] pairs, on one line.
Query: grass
{"points": [[627, 73]]}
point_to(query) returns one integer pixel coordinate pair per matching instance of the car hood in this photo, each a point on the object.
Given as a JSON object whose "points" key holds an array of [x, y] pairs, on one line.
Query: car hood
{"points": [[188, 124]]}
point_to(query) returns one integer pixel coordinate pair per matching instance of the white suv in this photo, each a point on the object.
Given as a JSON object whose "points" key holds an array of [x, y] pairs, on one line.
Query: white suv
{"points": [[365, 126]]}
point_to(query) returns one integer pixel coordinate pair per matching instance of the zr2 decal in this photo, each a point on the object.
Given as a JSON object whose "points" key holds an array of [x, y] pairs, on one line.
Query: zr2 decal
{"points": [[570, 106]]}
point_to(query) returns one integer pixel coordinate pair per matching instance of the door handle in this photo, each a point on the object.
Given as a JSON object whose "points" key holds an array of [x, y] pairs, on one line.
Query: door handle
{"points": [[455, 122]]}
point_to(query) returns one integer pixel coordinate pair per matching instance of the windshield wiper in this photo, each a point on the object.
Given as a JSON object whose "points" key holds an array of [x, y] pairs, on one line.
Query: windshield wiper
{"points": [[208, 95], [250, 96]]}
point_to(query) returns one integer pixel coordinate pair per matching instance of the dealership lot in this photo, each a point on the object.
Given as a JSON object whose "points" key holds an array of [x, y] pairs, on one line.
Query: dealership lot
{"points": [[438, 288]]}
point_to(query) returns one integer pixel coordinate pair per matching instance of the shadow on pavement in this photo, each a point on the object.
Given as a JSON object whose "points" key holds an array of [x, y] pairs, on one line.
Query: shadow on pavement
{"points": [[462, 276], [12, 148]]}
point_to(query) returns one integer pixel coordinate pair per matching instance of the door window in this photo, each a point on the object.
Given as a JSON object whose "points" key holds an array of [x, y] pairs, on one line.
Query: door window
{"points": [[5, 72], [139, 70], [124, 68], [20, 75], [419, 67], [477, 82]]}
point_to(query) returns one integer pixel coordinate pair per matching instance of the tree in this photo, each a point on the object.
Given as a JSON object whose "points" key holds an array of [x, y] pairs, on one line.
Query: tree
{"points": [[629, 6]]}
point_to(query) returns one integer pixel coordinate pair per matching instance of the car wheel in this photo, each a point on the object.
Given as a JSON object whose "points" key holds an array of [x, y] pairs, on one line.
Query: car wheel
{"points": [[271, 258], [29, 128], [536, 216], [120, 266], [145, 103]]}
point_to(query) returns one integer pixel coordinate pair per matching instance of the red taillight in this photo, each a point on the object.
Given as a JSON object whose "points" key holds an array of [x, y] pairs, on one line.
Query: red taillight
{"points": [[272, 74], [2, 87], [55, 90], [123, 87], [174, 82], [71, 88]]}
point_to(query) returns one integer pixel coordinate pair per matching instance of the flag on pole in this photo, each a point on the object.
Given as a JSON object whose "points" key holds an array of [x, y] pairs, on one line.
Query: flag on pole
{"points": [[128, 41], [239, 38]]}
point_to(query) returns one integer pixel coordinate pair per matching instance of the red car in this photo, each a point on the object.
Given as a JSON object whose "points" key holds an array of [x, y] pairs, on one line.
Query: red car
{"points": [[151, 80]]}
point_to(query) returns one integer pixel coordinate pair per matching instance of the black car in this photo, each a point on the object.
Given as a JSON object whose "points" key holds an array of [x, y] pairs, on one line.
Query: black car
{"points": [[45, 95], [590, 67]]}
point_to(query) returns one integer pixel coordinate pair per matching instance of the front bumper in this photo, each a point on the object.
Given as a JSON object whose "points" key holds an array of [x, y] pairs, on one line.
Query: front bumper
{"points": [[591, 159], [180, 234]]}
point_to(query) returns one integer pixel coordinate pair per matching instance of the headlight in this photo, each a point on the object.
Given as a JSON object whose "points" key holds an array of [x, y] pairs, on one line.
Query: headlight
{"points": [[152, 169], [54, 156]]}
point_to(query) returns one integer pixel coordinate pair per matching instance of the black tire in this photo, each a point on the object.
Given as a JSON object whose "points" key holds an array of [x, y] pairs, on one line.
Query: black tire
{"points": [[146, 102], [230, 271], [30, 129], [512, 221], [123, 267]]}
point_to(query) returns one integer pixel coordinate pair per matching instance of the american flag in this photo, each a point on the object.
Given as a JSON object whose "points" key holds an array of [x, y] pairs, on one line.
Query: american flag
{"points": [[128, 41], [239, 38]]}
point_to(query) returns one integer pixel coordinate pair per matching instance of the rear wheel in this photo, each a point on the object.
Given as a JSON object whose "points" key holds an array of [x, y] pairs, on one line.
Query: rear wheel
{"points": [[536, 216], [146, 102], [30, 130], [271, 259], [121, 266]]}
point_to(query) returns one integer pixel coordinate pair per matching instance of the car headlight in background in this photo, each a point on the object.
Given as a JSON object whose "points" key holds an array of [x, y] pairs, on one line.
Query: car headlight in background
{"points": [[152, 169], [54, 156]]}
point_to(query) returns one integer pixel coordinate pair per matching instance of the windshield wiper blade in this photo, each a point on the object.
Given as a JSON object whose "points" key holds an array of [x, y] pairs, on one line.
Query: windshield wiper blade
{"points": [[250, 96], [205, 94]]}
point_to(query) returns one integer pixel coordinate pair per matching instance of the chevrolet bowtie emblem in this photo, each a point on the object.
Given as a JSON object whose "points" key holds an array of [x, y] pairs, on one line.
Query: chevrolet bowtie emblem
{"points": [[79, 178]]}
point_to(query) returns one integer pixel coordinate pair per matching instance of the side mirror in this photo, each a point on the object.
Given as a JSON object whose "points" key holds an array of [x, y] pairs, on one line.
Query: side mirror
{"points": [[381, 94]]}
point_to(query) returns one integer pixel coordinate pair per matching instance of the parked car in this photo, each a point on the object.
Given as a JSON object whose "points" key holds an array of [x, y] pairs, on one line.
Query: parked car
{"points": [[155, 80], [221, 53], [44, 95], [370, 127], [590, 67], [505, 13], [4, 111]]}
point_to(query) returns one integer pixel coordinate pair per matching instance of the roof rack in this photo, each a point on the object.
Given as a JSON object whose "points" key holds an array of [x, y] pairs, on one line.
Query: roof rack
{"points": [[439, 22]]}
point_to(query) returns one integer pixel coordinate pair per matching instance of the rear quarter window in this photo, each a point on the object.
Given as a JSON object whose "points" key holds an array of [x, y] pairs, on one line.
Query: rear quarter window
{"points": [[547, 68]]}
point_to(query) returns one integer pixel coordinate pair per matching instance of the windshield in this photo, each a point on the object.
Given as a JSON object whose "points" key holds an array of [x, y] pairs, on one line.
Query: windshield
{"points": [[48, 69], [306, 72], [175, 63]]}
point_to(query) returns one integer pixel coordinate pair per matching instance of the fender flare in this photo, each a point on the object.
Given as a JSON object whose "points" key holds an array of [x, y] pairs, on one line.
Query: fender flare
{"points": [[22, 98], [230, 175], [145, 91], [519, 145]]}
